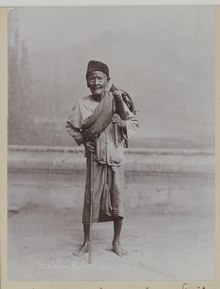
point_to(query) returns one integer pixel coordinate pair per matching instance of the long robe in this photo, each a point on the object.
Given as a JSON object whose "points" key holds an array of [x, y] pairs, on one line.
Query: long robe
{"points": [[108, 182]]}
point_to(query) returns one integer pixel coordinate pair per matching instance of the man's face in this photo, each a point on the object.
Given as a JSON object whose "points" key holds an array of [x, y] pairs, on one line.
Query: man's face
{"points": [[97, 81]]}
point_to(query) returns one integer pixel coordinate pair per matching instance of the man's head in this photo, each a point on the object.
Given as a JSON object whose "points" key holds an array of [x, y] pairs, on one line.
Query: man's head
{"points": [[97, 77]]}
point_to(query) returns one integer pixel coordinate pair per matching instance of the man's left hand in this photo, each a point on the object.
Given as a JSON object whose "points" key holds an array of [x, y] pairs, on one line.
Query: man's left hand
{"points": [[117, 119], [118, 94]]}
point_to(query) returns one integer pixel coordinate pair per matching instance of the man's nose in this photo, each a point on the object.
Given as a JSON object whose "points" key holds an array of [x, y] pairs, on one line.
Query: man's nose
{"points": [[96, 81]]}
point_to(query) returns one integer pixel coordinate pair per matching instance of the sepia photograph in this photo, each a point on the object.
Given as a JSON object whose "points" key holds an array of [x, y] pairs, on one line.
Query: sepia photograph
{"points": [[111, 143]]}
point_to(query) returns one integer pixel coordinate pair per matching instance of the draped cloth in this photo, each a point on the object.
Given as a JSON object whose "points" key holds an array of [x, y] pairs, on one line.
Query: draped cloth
{"points": [[92, 120], [108, 191], [100, 119]]}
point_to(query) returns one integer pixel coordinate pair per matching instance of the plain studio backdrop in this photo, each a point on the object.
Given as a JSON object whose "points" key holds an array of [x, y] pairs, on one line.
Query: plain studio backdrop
{"points": [[164, 58]]}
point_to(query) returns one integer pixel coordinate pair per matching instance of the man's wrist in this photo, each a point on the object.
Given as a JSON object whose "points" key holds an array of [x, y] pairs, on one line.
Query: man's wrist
{"points": [[122, 124]]}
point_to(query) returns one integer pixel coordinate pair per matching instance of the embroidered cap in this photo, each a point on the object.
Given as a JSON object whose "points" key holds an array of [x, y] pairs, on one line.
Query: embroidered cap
{"points": [[94, 65]]}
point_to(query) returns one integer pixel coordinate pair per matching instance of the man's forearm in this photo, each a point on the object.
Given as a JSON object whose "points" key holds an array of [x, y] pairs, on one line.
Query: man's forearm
{"points": [[75, 133]]}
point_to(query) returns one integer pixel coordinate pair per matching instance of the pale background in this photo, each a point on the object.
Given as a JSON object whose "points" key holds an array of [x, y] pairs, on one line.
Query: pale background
{"points": [[162, 56]]}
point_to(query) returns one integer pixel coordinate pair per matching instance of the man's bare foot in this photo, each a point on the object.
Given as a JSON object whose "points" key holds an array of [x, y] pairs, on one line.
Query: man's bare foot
{"points": [[119, 250], [82, 250]]}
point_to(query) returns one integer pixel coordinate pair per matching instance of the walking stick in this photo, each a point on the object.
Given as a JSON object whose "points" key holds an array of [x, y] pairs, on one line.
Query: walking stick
{"points": [[112, 89], [120, 110], [91, 201], [116, 134]]}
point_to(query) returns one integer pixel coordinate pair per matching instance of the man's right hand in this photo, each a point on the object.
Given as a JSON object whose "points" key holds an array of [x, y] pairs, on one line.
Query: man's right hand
{"points": [[90, 146]]}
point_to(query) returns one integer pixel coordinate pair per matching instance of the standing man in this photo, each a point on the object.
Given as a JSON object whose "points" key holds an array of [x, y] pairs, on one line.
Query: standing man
{"points": [[102, 122]]}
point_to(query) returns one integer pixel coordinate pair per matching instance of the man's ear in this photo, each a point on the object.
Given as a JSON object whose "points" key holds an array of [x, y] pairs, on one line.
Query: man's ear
{"points": [[108, 79]]}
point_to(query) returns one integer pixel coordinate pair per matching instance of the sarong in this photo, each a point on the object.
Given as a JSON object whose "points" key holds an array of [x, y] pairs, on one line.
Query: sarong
{"points": [[108, 190]]}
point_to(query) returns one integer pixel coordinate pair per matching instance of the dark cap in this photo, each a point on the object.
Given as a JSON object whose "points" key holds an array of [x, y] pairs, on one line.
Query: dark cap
{"points": [[94, 65]]}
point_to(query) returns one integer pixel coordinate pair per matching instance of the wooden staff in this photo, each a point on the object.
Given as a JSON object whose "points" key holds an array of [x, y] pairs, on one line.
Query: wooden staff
{"points": [[91, 201], [119, 107], [112, 89], [116, 133]]}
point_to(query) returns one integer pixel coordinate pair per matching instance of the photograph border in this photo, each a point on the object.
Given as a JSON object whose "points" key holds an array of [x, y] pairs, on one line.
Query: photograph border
{"points": [[180, 284]]}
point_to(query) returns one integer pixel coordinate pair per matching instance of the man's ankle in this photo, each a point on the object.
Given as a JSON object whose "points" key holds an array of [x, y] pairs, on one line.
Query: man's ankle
{"points": [[116, 241]]}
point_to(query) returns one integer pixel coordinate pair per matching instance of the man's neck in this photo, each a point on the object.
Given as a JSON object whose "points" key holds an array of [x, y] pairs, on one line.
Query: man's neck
{"points": [[98, 97]]}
